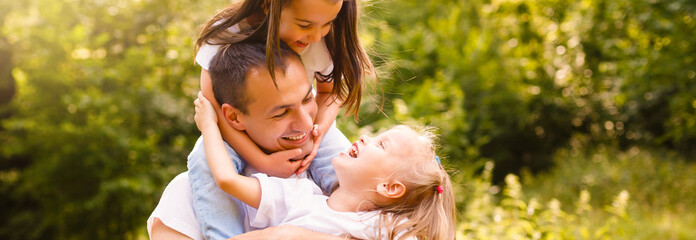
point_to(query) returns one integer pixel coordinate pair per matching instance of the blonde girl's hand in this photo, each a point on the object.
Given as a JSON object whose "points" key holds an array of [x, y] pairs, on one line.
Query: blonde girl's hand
{"points": [[205, 113], [307, 160]]}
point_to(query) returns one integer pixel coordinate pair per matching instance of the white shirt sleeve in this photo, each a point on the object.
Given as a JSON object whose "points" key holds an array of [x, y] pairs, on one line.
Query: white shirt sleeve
{"points": [[175, 209], [279, 196], [272, 207], [206, 54]]}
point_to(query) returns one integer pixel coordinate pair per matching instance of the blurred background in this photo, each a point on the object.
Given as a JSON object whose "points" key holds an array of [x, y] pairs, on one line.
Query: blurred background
{"points": [[569, 119]]}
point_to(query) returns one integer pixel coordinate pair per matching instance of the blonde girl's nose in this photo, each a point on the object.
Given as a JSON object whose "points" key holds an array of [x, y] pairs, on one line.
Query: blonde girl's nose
{"points": [[364, 139]]}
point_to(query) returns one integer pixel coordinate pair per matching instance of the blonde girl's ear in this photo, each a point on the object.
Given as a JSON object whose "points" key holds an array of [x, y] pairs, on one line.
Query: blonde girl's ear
{"points": [[391, 190]]}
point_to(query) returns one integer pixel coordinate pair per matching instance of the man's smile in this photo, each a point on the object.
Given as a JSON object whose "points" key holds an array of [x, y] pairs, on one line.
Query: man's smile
{"points": [[296, 138]]}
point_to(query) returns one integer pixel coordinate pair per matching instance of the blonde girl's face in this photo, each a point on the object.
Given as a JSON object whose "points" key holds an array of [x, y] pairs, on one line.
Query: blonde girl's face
{"points": [[373, 159], [303, 22]]}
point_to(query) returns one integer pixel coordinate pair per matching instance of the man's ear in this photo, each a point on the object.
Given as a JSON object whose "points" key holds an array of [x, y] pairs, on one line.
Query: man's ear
{"points": [[233, 116], [391, 190]]}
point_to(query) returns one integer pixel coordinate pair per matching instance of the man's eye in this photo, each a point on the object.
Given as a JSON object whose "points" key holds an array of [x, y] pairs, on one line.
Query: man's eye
{"points": [[282, 114], [307, 99]]}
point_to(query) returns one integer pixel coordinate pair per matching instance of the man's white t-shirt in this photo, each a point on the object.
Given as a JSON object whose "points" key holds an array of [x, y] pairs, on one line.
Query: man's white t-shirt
{"points": [[175, 209]]}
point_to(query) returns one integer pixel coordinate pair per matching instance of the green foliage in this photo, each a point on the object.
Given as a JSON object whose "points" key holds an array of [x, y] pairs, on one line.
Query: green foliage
{"points": [[102, 114], [513, 81], [101, 118], [512, 216], [660, 184]]}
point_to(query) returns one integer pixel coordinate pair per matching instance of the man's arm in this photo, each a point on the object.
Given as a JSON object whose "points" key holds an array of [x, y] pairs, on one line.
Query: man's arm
{"points": [[163, 232], [286, 232]]}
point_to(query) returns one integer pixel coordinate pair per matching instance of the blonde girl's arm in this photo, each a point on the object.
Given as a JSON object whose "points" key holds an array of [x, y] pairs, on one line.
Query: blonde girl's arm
{"points": [[276, 164], [246, 189]]}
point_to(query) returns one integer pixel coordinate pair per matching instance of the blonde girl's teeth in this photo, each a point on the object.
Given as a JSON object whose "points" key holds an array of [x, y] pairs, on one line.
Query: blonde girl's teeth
{"points": [[353, 152]]}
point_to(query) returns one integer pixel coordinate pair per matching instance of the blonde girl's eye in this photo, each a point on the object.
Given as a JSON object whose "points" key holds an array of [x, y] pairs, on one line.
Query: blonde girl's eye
{"points": [[304, 26]]}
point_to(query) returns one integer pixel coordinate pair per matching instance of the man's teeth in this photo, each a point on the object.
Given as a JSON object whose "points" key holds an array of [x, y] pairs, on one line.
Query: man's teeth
{"points": [[295, 138]]}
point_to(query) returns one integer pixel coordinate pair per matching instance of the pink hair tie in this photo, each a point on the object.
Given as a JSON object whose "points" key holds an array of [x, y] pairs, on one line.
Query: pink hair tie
{"points": [[439, 189]]}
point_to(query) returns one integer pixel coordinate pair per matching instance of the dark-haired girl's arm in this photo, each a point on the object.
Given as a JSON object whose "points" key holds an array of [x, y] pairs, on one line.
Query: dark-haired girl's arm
{"points": [[327, 110]]}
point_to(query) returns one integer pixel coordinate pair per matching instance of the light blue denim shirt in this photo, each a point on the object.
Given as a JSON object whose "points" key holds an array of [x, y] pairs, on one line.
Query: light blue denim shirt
{"points": [[220, 215]]}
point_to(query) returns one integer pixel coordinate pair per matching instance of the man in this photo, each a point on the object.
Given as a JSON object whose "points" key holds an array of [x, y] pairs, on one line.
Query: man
{"points": [[275, 115]]}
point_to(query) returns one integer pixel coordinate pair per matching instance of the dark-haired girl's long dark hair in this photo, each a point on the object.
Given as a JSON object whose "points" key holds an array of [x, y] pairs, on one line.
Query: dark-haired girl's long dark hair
{"points": [[350, 62]]}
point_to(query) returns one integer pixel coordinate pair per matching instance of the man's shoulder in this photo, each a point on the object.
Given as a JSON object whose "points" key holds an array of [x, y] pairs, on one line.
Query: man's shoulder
{"points": [[179, 186], [175, 208], [198, 154]]}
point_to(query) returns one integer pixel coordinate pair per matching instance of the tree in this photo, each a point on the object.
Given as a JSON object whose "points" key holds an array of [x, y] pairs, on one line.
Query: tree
{"points": [[102, 115], [514, 81]]}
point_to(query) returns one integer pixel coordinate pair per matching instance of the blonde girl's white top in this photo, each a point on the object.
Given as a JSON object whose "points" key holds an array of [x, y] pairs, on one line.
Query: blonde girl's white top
{"points": [[283, 201], [300, 202], [315, 57]]}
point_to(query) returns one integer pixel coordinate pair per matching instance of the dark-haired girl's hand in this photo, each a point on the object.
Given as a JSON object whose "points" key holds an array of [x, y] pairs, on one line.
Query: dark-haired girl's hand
{"points": [[318, 136]]}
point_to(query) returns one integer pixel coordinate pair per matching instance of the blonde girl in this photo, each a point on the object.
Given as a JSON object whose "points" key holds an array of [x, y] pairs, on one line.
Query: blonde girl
{"points": [[389, 187]]}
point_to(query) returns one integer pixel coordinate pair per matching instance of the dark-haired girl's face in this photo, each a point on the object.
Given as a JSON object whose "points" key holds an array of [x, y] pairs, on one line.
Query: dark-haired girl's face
{"points": [[303, 22]]}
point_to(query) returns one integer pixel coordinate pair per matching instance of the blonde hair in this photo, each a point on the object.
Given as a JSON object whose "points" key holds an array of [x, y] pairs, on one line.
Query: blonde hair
{"points": [[422, 212]]}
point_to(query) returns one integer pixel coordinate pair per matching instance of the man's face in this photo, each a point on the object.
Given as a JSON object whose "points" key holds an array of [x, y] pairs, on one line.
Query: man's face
{"points": [[282, 118]]}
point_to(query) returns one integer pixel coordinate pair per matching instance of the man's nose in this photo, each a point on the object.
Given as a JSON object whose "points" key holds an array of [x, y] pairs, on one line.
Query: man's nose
{"points": [[303, 121]]}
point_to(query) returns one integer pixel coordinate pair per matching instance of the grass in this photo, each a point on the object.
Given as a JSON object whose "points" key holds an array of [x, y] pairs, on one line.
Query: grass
{"points": [[602, 193]]}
